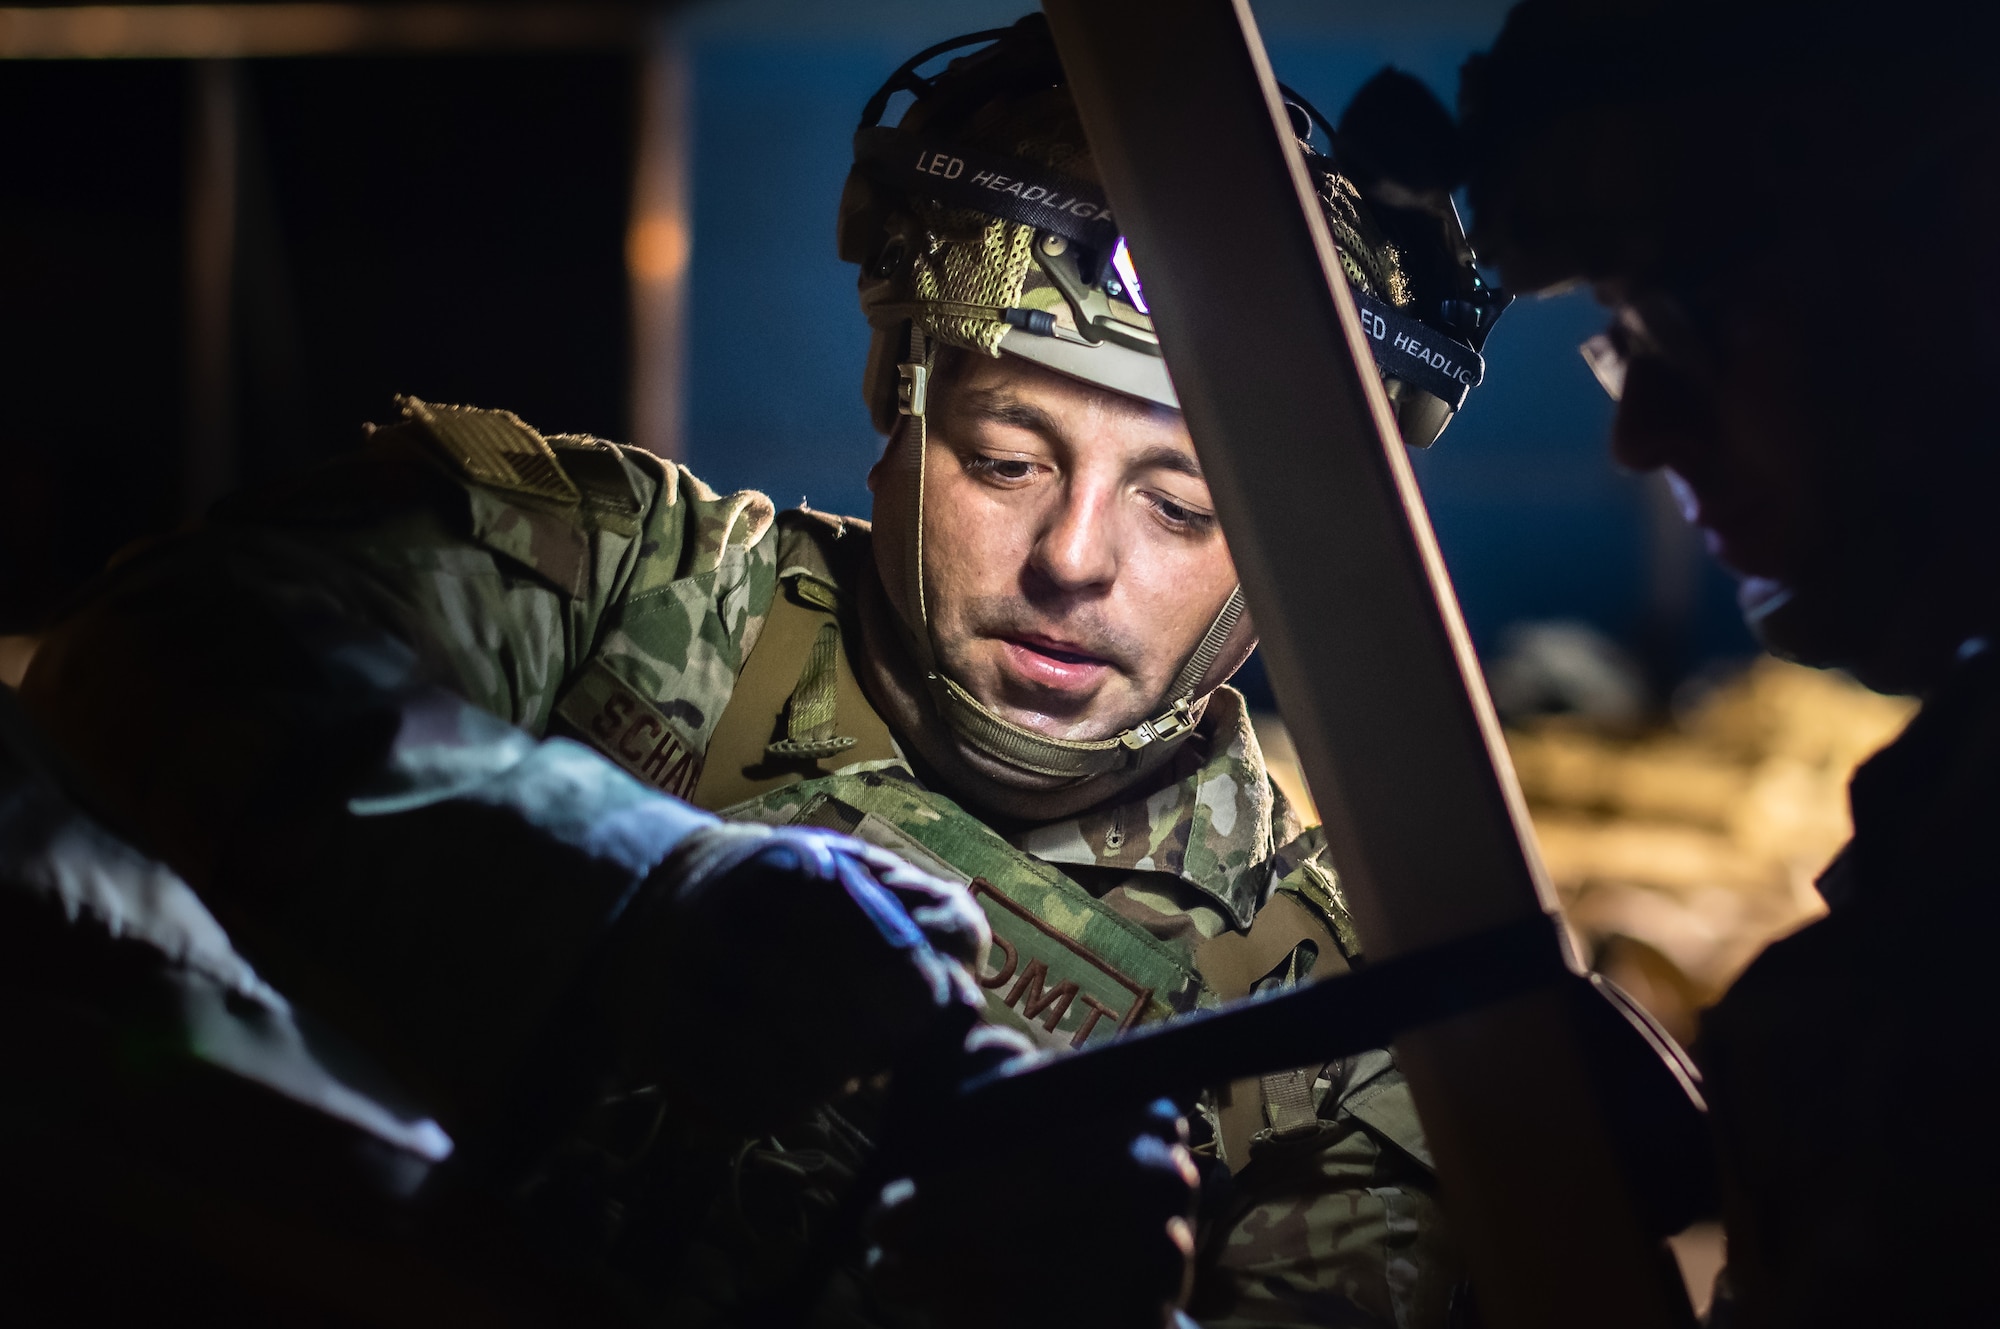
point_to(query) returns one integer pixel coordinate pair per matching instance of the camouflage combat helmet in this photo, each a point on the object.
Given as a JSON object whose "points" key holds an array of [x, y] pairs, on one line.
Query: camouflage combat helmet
{"points": [[978, 223]]}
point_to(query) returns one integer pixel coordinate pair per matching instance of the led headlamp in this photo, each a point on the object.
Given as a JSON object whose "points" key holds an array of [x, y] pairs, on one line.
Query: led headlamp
{"points": [[1081, 309]]}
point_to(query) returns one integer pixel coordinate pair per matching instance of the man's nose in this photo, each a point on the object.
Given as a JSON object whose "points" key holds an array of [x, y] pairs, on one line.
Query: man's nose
{"points": [[1664, 418], [1077, 547]]}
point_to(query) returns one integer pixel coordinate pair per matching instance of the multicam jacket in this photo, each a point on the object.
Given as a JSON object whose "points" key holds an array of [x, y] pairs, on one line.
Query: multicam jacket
{"points": [[576, 588]]}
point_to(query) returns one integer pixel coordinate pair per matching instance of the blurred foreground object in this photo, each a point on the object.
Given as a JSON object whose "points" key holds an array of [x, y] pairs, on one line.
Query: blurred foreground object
{"points": [[1370, 657], [1682, 850], [178, 1135], [1566, 668], [16, 653], [221, 32]]}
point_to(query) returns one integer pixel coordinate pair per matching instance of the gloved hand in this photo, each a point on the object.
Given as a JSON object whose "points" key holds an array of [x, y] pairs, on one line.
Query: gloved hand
{"points": [[765, 968], [1080, 1221]]}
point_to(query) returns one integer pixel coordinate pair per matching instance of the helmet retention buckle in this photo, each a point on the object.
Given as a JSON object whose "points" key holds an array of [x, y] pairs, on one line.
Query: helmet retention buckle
{"points": [[913, 388], [1179, 719]]}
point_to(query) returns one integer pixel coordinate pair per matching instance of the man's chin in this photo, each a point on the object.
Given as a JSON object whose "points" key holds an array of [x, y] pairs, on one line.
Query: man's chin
{"points": [[1078, 714], [1078, 724], [1793, 626], [1831, 631], [1074, 716]]}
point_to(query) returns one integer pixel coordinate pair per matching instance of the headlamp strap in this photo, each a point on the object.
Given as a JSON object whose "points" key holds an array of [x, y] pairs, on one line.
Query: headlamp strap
{"points": [[1417, 353], [988, 182], [1020, 191]]}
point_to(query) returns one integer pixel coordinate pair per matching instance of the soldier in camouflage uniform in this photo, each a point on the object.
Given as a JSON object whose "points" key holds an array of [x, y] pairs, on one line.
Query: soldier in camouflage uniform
{"points": [[1014, 681]]}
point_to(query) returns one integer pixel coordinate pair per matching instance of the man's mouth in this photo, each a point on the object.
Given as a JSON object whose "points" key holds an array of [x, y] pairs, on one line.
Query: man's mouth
{"points": [[1739, 544], [1735, 530], [1049, 662]]}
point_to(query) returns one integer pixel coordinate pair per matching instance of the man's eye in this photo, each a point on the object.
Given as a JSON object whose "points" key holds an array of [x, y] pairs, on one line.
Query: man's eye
{"points": [[1000, 468], [1181, 518]]}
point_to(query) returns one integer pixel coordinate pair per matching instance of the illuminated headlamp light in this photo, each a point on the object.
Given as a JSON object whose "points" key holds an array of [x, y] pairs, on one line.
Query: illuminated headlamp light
{"points": [[1121, 264]]}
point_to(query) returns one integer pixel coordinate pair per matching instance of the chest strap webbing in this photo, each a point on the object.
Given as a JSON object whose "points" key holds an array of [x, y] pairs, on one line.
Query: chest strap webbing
{"points": [[1233, 963], [795, 696], [1066, 968]]}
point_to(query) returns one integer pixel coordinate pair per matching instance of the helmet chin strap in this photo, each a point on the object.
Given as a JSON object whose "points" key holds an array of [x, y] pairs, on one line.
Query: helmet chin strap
{"points": [[972, 720]]}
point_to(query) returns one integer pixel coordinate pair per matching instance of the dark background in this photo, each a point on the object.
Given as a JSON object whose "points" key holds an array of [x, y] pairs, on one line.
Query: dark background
{"points": [[454, 226], [449, 226]]}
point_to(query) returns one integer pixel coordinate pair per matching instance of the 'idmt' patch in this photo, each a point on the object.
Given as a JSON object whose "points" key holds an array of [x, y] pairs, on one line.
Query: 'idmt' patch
{"points": [[1047, 985]]}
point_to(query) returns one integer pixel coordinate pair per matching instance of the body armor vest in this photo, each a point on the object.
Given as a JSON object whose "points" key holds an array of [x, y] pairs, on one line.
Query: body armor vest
{"points": [[801, 745]]}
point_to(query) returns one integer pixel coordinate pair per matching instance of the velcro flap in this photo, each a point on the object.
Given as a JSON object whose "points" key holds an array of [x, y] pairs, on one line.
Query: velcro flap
{"points": [[1385, 1105], [495, 448]]}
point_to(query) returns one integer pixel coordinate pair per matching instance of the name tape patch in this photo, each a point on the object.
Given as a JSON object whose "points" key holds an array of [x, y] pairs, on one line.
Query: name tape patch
{"points": [[1047, 985], [630, 730]]}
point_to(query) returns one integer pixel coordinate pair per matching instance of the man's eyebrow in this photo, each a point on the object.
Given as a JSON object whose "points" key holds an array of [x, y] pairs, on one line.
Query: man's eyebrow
{"points": [[1169, 459], [1004, 408]]}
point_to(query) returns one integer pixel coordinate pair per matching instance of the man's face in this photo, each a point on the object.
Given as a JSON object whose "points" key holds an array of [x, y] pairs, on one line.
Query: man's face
{"points": [[1783, 431], [1725, 415], [1072, 558]]}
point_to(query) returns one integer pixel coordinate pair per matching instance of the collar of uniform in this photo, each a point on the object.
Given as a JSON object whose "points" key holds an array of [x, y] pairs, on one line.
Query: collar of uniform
{"points": [[1214, 828]]}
